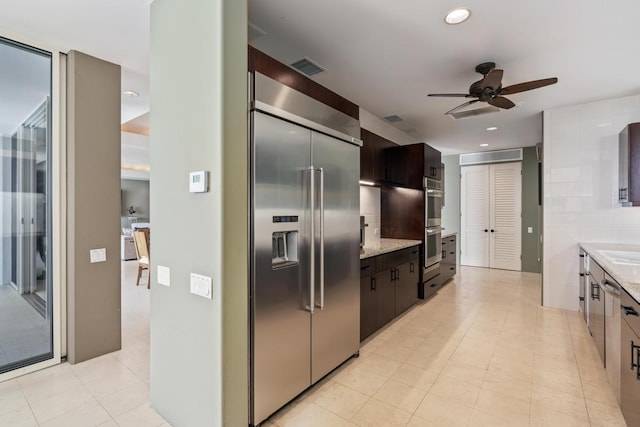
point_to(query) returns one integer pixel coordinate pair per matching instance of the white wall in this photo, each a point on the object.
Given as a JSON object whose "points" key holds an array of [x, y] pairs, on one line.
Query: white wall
{"points": [[378, 126], [581, 188], [135, 153]]}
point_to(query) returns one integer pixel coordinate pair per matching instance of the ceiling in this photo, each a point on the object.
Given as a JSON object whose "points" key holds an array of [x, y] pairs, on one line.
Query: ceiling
{"points": [[387, 56]]}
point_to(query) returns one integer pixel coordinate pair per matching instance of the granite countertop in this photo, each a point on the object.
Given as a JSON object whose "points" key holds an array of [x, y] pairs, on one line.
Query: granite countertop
{"points": [[388, 245], [627, 275], [445, 235]]}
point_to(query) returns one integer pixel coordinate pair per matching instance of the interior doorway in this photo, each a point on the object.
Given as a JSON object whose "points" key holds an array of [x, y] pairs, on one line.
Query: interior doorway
{"points": [[491, 209]]}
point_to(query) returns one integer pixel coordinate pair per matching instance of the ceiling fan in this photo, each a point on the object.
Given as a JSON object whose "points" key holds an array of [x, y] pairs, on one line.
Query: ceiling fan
{"points": [[490, 89]]}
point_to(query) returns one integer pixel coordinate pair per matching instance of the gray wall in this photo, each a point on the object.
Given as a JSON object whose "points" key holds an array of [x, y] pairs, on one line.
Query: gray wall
{"points": [[451, 211], [199, 76], [135, 193], [530, 214], [93, 206]]}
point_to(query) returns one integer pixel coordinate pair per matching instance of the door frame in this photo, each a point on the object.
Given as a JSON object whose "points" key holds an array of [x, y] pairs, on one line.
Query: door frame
{"points": [[58, 205], [490, 238]]}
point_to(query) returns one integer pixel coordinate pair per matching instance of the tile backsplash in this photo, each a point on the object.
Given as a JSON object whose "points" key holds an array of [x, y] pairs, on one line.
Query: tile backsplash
{"points": [[370, 208], [581, 189]]}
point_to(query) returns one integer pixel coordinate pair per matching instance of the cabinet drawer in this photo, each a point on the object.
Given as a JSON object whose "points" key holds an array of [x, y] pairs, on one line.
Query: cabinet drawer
{"points": [[393, 259], [630, 312], [367, 267]]}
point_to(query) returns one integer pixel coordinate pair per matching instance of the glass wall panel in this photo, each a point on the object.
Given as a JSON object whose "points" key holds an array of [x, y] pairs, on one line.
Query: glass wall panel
{"points": [[26, 327]]}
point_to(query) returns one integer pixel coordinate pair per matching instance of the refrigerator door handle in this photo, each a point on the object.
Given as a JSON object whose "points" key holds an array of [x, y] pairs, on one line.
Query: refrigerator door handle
{"points": [[312, 208], [321, 305]]}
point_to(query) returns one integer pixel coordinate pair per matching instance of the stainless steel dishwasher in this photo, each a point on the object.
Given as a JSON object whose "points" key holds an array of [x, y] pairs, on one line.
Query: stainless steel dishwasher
{"points": [[611, 289], [596, 307], [630, 360]]}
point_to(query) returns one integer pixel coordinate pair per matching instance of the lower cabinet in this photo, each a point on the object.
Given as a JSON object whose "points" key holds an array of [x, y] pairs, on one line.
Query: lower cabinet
{"points": [[449, 259], [388, 286], [630, 360]]}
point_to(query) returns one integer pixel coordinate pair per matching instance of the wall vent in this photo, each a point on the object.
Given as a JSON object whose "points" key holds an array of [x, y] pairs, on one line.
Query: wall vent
{"points": [[473, 113], [498, 156], [393, 118], [307, 67]]}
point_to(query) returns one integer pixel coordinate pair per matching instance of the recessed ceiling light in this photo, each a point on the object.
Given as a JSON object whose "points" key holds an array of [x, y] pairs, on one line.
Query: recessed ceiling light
{"points": [[492, 128], [457, 16], [484, 145], [130, 93]]}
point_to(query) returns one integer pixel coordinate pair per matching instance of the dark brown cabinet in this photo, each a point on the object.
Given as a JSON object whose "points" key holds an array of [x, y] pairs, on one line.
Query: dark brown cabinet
{"points": [[388, 287], [410, 164], [449, 258], [629, 165], [374, 165]]}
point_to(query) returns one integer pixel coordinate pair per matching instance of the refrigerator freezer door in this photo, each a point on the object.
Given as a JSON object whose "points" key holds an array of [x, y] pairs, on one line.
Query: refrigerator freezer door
{"points": [[335, 334], [280, 336]]}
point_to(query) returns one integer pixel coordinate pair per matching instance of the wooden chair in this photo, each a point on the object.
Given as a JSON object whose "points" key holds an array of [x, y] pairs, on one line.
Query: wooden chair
{"points": [[141, 242]]}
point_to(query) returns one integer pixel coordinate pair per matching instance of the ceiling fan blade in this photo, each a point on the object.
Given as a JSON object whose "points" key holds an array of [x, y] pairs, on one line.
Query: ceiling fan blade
{"points": [[451, 95], [461, 106], [493, 79], [521, 87], [501, 102]]}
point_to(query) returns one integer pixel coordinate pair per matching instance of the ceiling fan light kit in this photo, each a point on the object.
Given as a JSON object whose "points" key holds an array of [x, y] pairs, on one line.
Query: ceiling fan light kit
{"points": [[489, 89]]}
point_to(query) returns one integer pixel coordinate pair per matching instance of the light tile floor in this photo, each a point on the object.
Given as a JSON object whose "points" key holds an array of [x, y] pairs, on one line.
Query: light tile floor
{"points": [[482, 352], [112, 390]]}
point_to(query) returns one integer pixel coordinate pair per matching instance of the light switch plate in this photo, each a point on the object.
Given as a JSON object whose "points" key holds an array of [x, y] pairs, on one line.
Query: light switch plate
{"points": [[164, 275], [201, 285], [98, 255]]}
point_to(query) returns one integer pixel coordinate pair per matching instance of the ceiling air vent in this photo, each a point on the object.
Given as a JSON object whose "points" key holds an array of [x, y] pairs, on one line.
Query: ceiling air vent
{"points": [[498, 156], [307, 67], [473, 113], [393, 118]]}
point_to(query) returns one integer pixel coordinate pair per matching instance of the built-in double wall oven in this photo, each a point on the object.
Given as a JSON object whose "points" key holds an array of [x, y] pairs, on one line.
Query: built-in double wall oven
{"points": [[433, 222]]}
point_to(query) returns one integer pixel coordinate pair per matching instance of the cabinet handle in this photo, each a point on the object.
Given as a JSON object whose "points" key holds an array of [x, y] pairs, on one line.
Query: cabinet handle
{"points": [[635, 364], [411, 267], [595, 296], [629, 311], [581, 274], [373, 283], [366, 267], [397, 274], [581, 298], [393, 274], [433, 285]]}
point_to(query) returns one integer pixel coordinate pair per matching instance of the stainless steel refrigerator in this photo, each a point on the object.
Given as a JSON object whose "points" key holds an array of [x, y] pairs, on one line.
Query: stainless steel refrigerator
{"points": [[305, 301]]}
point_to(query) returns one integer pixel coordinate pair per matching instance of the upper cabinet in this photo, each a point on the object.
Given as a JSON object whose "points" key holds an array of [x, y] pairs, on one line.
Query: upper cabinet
{"points": [[629, 166], [412, 163], [385, 162], [373, 157]]}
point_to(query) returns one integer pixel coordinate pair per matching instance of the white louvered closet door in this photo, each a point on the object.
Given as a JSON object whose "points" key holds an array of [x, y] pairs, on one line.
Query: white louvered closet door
{"points": [[475, 216], [506, 221], [490, 207]]}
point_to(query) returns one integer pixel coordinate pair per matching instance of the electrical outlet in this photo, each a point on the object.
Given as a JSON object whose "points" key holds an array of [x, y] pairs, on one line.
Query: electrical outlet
{"points": [[530, 230], [201, 285]]}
